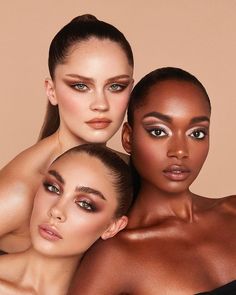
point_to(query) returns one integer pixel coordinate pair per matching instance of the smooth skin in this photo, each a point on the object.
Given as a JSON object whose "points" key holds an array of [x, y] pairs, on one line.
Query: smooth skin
{"points": [[93, 84], [77, 201], [176, 242]]}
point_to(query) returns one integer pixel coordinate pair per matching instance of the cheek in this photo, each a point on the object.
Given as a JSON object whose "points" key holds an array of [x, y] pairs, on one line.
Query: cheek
{"points": [[68, 102]]}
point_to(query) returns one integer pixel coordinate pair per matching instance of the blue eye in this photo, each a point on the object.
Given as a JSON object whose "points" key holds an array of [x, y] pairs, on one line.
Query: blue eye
{"points": [[86, 205], [198, 134], [116, 87], [51, 188], [80, 86]]}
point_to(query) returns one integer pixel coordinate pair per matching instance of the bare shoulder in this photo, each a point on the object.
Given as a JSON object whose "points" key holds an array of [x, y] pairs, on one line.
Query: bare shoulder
{"points": [[18, 183], [225, 204], [103, 269], [229, 203]]}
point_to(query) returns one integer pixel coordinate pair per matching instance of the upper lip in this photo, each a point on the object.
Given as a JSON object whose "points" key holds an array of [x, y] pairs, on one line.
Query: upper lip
{"points": [[51, 229], [177, 168], [98, 120]]}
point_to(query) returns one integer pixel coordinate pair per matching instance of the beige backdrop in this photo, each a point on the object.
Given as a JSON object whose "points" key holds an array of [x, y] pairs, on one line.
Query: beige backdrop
{"points": [[197, 35]]}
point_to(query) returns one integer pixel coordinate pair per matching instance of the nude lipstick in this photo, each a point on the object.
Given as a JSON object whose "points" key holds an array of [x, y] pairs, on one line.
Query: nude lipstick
{"points": [[99, 123], [49, 233], [176, 172]]}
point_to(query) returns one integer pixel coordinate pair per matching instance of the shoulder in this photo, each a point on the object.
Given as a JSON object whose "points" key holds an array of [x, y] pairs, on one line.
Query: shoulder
{"points": [[229, 203], [224, 204], [104, 268]]}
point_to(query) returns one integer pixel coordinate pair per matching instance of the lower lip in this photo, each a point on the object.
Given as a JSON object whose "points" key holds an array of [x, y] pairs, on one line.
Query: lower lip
{"points": [[176, 176], [48, 235], [99, 124]]}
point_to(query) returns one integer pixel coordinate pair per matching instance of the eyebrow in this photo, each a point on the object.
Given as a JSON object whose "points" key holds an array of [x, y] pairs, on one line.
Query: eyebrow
{"points": [[89, 190], [199, 119], [57, 176], [82, 189], [91, 79], [158, 116], [168, 119]]}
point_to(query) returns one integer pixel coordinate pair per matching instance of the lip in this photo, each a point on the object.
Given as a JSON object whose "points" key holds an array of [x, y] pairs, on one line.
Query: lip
{"points": [[99, 123], [49, 233], [176, 172]]}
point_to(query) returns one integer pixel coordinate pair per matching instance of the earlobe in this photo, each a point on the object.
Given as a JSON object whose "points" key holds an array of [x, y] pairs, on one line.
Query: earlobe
{"points": [[127, 137], [50, 91], [115, 227]]}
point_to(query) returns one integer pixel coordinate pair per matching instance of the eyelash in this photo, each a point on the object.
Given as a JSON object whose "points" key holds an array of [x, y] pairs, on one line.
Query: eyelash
{"points": [[83, 87], [153, 131], [86, 205], [49, 187], [77, 86], [203, 132], [120, 87]]}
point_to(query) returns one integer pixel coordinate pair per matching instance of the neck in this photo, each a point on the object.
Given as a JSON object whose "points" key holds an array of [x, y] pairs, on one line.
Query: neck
{"points": [[41, 272], [153, 206], [66, 141]]}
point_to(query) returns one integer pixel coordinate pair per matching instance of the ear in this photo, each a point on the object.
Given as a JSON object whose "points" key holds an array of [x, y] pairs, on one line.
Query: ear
{"points": [[116, 226], [50, 91], [127, 137]]}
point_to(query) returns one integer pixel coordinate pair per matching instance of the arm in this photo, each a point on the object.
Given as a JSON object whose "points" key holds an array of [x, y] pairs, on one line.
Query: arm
{"points": [[101, 270], [16, 199]]}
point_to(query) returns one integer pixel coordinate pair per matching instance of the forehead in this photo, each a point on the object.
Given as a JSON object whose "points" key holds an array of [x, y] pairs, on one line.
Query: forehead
{"points": [[95, 52], [175, 99], [75, 167]]}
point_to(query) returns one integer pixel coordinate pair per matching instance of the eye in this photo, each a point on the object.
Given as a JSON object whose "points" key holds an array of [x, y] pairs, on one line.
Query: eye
{"points": [[198, 134], [116, 87], [51, 188], [80, 86], [157, 132], [86, 205]]}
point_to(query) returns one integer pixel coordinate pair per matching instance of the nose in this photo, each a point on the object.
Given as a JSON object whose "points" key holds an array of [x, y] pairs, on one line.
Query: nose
{"points": [[178, 148], [57, 213], [100, 102]]}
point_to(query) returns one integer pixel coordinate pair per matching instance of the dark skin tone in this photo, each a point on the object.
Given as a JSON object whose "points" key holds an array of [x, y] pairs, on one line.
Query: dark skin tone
{"points": [[176, 242]]}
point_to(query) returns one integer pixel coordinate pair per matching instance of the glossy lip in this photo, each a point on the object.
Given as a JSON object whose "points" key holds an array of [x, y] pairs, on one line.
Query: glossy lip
{"points": [[99, 123], [49, 233], [176, 172]]}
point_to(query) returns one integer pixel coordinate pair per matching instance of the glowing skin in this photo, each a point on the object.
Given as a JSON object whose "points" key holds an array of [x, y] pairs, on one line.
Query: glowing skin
{"points": [[73, 207], [170, 138], [92, 90]]}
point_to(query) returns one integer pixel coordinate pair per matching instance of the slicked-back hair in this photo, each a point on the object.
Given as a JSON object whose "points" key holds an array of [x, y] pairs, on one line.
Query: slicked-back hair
{"points": [[119, 170], [143, 87]]}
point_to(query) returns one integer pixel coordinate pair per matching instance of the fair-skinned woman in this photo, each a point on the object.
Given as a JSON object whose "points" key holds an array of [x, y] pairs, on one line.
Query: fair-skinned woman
{"points": [[91, 68], [83, 196], [176, 242]]}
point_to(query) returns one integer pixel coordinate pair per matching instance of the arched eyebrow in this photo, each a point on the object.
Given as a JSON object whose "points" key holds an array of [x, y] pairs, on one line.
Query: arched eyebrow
{"points": [[82, 189], [199, 119], [158, 115], [88, 79], [168, 119], [57, 176], [89, 190]]}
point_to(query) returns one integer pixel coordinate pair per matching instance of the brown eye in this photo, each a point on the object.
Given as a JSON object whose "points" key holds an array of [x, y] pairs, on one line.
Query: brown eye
{"points": [[198, 134]]}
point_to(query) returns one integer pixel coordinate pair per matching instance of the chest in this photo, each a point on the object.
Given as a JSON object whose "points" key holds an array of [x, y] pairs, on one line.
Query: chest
{"points": [[184, 261]]}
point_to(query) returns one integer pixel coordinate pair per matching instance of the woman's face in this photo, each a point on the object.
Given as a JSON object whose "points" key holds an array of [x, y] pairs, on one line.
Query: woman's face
{"points": [[170, 136], [74, 206], [92, 89]]}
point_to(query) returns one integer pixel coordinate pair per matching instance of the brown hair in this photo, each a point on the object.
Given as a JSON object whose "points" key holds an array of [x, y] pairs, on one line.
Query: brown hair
{"points": [[81, 28], [120, 171]]}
